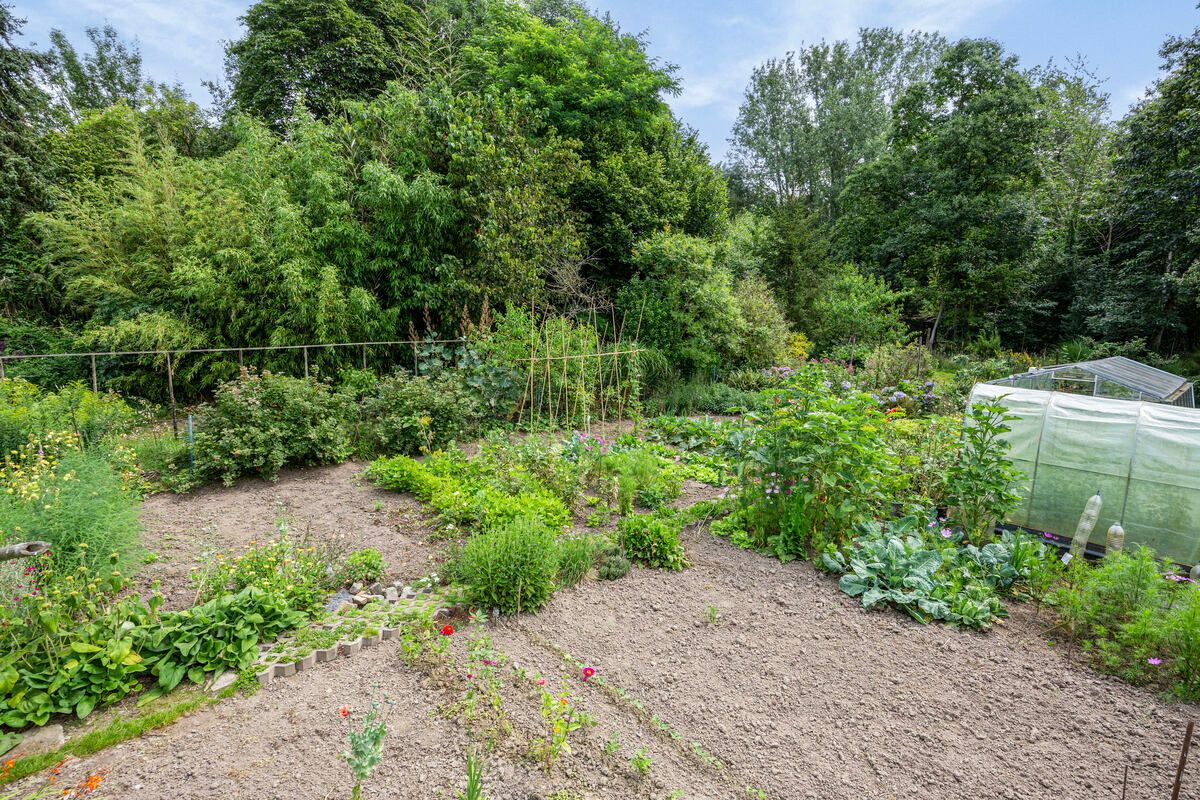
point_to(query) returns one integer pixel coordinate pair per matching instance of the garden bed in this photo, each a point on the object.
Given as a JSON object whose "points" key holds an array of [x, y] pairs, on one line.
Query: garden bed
{"points": [[785, 686]]}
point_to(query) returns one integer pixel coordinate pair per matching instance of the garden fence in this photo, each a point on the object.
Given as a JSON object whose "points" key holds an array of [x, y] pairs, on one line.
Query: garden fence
{"points": [[554, 389]]}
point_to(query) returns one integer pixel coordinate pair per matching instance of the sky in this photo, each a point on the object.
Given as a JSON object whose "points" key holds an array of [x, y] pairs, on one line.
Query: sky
{"points": [[715, 44]]}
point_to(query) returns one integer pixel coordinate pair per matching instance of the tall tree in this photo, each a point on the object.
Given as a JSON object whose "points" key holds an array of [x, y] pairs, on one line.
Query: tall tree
{"points": [[809, 119], [23, 107], [949, 213], [1149, 279], [1074, 155], [111, 73], [324, 51]]}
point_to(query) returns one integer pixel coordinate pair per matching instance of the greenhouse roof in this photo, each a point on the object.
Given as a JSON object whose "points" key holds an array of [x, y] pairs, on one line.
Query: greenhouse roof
{"points": [[1137, 381]]}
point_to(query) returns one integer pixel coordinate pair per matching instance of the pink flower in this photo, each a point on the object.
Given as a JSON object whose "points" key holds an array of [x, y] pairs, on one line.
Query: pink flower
{"points": [[541, 681], [1154, 662], [588, 672], [947, 533]]}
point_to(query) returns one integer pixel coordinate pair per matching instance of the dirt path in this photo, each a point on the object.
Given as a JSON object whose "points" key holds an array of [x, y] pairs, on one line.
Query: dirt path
{"points": [[794, 691]]}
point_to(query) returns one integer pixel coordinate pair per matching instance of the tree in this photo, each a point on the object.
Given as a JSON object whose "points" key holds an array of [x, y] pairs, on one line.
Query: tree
{"points": [[949, 212], [1074, 156], [110, 74], [853, 311], [810, 118], [1149, 279], [324, 51], [23, 107]]}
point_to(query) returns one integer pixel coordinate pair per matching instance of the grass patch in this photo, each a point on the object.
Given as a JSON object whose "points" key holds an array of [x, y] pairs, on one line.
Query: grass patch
{"points": [[117, 731]]}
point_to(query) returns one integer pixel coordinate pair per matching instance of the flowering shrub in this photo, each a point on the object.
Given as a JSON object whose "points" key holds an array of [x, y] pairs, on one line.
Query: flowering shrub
{"points": [[259, 423], [406, 414]]}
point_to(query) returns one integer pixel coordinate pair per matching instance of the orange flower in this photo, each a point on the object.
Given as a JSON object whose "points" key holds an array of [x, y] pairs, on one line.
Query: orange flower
{"points": [[93, 782], [344, 711]]}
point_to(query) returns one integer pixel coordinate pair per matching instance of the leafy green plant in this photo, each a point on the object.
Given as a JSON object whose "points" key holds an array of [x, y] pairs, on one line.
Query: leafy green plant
{"points": [[613, 745], [652, 541], [575, 557], [298, 572], [362, 566], [562, 718], [261, 422], [980, 485], [613, 566], [366, 742], [474, 790], [511, 568], [640, 762]]}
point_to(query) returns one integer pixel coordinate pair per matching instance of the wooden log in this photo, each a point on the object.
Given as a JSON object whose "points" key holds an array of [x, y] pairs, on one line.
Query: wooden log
{"points": [[11, 552]]}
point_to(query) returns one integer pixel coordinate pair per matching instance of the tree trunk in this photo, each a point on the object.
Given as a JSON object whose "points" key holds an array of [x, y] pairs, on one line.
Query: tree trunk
{"points": [[12, 552]]}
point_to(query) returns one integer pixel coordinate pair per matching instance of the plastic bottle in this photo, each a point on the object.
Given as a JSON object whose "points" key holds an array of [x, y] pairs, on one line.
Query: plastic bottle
{"points": [[1087, 521], [1115, 542]]}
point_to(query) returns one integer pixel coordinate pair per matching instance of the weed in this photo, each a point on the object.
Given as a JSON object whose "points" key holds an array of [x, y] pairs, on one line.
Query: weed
{"points": [[562, 719], [640, 762], [711, 615], [613, 745]]}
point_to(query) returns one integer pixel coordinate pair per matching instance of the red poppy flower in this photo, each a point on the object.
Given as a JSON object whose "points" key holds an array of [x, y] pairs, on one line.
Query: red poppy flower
{"points": [[344, 711], [448, 630], [588, 672]]}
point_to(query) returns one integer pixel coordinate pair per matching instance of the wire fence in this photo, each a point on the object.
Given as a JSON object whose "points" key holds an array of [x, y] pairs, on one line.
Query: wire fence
{"points": [[554, 387]]}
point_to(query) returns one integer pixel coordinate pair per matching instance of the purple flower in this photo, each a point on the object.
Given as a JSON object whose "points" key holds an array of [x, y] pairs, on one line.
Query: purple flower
{"points": [[947, 533], [1154, 662]]}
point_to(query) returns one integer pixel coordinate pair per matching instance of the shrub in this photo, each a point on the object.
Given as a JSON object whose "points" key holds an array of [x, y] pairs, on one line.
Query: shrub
{"points": [[613, 566], [575, 557], [652, 541], [362, 566], [511, 568], [27, 410], [641, 476], [261, 422], [763, 339], [406, 414]]}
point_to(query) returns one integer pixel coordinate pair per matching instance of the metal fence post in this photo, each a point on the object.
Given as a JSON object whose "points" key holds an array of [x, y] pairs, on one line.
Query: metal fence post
{"points": [[1, 369], [171, 393], [95, 388], [305, 349]]}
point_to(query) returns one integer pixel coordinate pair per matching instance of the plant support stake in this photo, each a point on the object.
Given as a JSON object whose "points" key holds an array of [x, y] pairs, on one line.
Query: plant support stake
{"points": [[1183, 755]]}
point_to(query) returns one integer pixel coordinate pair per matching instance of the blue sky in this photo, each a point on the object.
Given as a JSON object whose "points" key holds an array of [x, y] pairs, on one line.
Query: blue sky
{"points": [[715, 44]]}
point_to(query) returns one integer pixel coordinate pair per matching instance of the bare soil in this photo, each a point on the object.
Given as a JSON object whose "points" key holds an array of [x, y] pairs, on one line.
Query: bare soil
{"points": [[333, 506], [797, 691]]}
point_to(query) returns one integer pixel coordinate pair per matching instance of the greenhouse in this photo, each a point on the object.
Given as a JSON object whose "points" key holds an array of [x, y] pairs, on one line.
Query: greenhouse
{"points": [[1142, 456], [1116, 377]]}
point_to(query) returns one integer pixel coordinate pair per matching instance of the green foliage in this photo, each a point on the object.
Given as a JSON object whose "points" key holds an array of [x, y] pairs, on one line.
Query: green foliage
{"points": [[463, 497], [641, 476], [947, 212], [26, 409], [652, 541], [809, 119], [362, 566], [613, 566], [260, 423], [80, 644], [78, 502], [511, 568], [817, 470], [852, 307], [1136, 617], [980, 484], [407, 414], [685, 302], [575, 557], [902, 566], [298, 573]]}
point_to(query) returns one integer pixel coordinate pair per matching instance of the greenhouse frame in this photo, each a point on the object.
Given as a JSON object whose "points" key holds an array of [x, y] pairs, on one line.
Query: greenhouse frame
{"points": [[1117, 377], [1143, 457]]}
